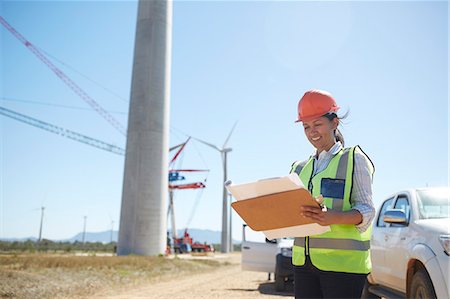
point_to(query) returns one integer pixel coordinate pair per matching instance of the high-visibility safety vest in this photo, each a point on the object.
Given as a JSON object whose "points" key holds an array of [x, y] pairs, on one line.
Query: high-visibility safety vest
{"points": [[344, 248]]}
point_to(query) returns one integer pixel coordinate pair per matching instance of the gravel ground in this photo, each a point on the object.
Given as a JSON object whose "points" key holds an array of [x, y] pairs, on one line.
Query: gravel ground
{"points": [[45, 276], [224, 282], [184, 276]]}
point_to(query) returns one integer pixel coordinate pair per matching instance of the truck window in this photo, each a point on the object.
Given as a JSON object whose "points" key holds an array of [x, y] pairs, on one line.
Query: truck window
{"points": [[253, 236], [434, 203], [386, 205]]}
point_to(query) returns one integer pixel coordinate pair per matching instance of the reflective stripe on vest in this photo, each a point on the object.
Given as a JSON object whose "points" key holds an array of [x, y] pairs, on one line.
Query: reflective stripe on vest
{"points": [[342, 166], [299, 167], [338, 203], [344, 244]]}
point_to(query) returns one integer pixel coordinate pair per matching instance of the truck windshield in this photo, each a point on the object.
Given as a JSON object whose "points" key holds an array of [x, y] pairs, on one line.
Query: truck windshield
{"points": [[434, 203]]}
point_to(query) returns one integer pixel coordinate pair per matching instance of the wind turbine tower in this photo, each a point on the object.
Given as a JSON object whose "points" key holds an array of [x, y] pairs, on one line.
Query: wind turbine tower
{"points": [[226, 243], [42, 221], [142, 221], [84, 229]]}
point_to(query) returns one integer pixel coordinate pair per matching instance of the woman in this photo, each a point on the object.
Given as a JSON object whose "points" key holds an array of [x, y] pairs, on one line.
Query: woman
{"points": [[333, 264]]}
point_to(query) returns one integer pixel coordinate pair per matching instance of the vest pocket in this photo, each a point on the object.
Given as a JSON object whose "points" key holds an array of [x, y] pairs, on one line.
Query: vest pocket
{"points": [[333, 188]]}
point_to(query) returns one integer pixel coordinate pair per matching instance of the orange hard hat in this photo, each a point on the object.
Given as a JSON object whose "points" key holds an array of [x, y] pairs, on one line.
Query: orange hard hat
{"points": [[315, 103]]}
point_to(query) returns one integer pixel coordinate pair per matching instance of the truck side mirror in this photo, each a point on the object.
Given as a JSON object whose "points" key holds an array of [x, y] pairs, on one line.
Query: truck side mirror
{"points": [[395, 216]]}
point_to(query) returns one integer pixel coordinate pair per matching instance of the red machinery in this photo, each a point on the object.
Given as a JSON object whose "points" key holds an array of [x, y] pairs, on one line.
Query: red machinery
{"points": [[185, 244]]}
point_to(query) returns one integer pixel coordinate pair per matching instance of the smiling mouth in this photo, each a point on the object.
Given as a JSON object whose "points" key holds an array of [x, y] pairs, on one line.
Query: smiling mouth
{"points": [[315, 138]]}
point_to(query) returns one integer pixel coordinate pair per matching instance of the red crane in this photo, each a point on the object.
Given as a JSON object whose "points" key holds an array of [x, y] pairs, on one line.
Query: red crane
{"points": [[186, 241], [69, 82]]}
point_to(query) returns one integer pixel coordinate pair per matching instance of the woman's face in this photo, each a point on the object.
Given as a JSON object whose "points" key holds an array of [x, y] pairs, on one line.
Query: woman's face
{"points": [[320, 132]]}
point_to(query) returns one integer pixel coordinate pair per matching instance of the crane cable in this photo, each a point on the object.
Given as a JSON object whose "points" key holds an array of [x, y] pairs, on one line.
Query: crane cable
{"points": [[179, 162], [194, 208], [60, 74], [83, 75], [9, 99]]}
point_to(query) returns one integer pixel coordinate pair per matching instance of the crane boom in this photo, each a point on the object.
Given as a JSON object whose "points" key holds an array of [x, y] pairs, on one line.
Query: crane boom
{"points": [[69, 82], [63, 132], [57, 130]]}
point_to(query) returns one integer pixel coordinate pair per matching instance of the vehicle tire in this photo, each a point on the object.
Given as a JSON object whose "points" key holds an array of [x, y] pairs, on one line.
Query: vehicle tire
{"points": [[280, 283], [421, 286], [366, 294]]}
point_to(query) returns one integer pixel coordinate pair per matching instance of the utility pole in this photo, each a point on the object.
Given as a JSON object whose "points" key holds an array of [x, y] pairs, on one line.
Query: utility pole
{"points": [[42, 221], [112, 230], [231, 224], [143, 225], [84, 230]]}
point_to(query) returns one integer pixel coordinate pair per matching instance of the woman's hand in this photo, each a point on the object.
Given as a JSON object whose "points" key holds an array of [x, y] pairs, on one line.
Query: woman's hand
{"points": [[320, 216], [328, 217]]}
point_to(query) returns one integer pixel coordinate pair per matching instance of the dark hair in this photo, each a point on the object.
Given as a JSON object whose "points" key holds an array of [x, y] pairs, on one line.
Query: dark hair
{"points": [[337, 134]]}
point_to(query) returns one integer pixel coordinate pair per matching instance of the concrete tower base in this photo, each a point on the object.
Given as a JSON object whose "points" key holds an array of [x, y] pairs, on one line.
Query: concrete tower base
{"points": [[143, 214]]}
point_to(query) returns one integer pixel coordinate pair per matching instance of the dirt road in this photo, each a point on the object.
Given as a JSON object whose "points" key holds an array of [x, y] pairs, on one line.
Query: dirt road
{"points": [[227, 282]]}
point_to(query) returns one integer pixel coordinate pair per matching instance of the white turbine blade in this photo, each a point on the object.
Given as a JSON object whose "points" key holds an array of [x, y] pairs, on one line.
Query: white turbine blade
{"points": [[229, 135], [206, 143]]}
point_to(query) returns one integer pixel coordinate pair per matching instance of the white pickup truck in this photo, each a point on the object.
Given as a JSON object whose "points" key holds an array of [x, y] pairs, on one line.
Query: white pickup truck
{"points": [[410, 246]]}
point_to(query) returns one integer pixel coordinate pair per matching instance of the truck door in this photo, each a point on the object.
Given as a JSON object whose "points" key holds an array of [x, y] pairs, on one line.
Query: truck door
{"points": [[257, 255], [378, 244], [397, 237]]}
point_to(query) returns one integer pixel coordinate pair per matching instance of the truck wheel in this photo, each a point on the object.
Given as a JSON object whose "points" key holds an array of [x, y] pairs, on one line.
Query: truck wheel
{"points": [[421, 286], [366, 294], [280, 283]]}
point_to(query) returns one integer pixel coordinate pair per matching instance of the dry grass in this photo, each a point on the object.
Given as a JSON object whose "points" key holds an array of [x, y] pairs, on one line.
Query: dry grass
{"points": [[67, 276]]}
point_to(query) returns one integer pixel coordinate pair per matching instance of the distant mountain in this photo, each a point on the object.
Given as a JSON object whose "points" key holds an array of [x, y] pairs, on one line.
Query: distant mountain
{"points": [[103, 237], [18, 239], [198, 235]]}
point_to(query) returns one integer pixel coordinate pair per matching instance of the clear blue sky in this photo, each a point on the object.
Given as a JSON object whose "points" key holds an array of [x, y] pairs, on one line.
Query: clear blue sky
{"points": [[385, 62]]}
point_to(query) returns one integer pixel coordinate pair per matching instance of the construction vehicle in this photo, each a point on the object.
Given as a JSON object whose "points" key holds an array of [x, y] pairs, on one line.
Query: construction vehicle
{"points": [[186, 245]]}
